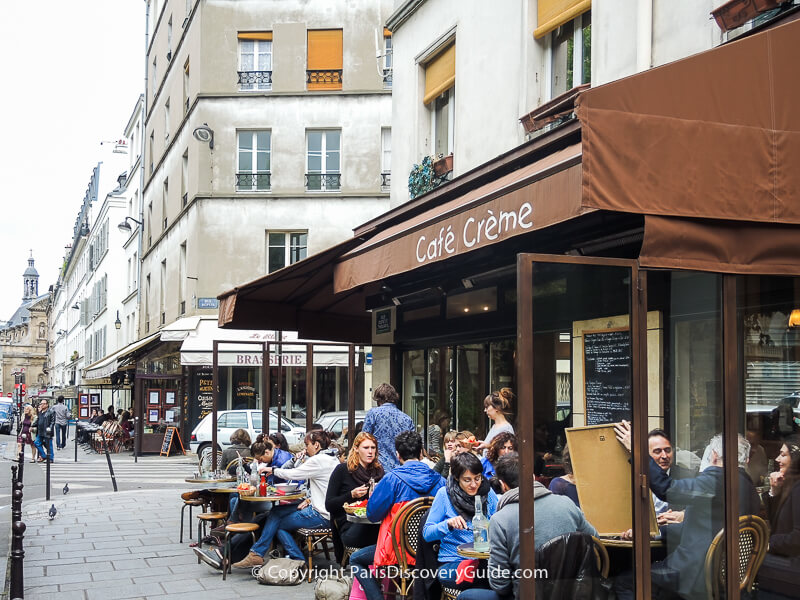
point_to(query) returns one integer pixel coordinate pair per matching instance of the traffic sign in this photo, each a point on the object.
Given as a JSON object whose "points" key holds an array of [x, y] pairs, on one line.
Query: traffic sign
{"points": [[8, 394]]}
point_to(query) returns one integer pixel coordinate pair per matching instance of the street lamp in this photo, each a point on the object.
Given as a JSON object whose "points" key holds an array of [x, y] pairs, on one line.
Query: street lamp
{"points": [[118, 323], [76, 306], [60, 332], [125, 227], [204, 134]]}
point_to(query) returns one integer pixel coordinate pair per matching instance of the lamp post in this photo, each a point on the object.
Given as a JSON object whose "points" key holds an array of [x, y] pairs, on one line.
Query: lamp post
{"points": [[125, 228]]}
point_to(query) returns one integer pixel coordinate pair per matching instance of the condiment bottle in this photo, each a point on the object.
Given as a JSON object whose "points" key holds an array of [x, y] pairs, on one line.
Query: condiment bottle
{"points": [[262, 487]]}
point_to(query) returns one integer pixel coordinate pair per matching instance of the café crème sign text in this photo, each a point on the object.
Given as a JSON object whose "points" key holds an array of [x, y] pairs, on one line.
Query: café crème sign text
{"points": [[475, 230]]}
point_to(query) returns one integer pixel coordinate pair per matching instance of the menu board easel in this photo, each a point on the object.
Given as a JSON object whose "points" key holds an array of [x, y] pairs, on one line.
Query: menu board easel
{"points": [[170, 435]]}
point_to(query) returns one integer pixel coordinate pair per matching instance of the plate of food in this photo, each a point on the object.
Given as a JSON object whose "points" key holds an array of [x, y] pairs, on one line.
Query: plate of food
{"points": [[358, 509]]}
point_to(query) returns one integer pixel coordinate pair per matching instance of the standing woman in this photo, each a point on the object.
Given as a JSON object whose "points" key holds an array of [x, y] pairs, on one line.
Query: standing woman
{"points": [[780, 572], [25, 437], [450, 518], [496, 406], [284, 520], [352, 481]]}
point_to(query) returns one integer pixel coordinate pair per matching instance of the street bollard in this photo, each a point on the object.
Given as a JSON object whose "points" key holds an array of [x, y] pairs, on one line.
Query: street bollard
{"points": [[17, 588], [47, 483], [76, 441], [110, 467]]}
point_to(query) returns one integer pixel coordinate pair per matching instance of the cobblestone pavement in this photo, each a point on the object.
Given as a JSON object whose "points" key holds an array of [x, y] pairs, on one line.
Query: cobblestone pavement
{"points": [[124, 545]]}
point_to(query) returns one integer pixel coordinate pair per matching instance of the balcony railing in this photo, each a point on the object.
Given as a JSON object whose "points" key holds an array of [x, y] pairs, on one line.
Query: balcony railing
{"points": [[185, 199], [327, 78], [386, 180], [183, 307], [186, 106], [262, 80], [387, 79], [323, 182], [251, 182]]}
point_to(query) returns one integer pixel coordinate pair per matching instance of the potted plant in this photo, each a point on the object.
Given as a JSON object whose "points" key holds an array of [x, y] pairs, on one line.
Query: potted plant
{"points": [[74, 356], [420, 179], [443, 165]]}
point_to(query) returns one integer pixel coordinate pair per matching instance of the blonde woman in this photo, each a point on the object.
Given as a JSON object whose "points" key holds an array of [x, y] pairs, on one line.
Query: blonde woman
{"points": [[497, 406]]}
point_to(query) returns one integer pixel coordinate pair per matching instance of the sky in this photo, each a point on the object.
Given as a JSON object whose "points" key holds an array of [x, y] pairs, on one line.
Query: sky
{"points": [[72, 73]]}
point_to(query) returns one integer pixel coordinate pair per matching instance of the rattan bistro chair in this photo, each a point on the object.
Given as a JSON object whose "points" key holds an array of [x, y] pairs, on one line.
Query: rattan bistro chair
{"points": [[405, 540], [316, 540], [753, 537]]}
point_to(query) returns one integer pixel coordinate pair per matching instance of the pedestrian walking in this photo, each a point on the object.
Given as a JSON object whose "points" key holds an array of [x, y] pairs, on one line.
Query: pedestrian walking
{"points": [[62, 422], [44, 431], [25, 437]]}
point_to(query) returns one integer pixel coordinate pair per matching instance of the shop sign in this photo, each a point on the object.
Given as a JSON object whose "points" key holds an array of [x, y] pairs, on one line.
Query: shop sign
{"points": [[383, 321], [472, 230], [254, 359]]}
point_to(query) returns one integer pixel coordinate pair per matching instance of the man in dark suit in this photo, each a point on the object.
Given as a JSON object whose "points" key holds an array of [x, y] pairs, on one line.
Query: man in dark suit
{"points": [[681, 572]]}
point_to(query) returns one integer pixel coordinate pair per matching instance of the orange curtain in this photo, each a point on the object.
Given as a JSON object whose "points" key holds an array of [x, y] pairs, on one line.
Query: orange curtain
{"points": [[324, 56], [440, 74], [256, 35], [554, 13]]}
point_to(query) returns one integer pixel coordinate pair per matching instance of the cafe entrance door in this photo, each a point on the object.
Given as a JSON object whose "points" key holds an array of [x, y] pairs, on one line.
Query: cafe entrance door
{"points": [[581, 317]]}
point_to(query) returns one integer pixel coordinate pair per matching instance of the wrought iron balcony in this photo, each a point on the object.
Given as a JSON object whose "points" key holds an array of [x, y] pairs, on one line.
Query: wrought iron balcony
{"points": [[386, 180], [329, 78], [253, 181], [186, 106], [323, 182], [261, 79], [387, 79]]}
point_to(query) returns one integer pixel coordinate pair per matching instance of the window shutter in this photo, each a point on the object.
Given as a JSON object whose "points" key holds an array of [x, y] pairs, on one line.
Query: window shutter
{"points": [[255, 35], [325, 54], [440, 74], [554, 13]]}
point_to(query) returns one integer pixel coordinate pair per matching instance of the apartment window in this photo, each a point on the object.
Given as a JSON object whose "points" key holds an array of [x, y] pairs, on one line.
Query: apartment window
{"points": [[387, 59], [150, 150], [163, 292], [386, 157], [440, 80], [147, 304], [571, 55], [324, 67], [253, 166], [149, 224], [182, 279], [324, 160], [285, 248], [186, 87], [185, 179], [154, 77], [255, 61], [169, 39], [166, 122], [164, 197]]}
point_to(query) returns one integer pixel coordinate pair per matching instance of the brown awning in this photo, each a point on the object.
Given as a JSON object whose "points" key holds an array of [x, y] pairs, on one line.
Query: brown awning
{"points": [[714, 136], [300, 298], [720, 246], [538, 195]]}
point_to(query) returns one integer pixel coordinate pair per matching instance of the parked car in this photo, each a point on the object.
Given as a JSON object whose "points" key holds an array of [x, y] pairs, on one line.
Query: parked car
{"points": [[229, 421], [6, 416], [335, 422]]}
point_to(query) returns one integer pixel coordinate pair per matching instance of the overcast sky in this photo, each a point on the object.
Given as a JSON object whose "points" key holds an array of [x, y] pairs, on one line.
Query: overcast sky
{"points": [[72, 72]]}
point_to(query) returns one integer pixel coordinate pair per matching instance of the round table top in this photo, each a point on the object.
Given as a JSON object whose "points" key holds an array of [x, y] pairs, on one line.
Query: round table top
{"points": [[272, 497], [468, 551], [211, 480], [360, 520], [227, 490]]}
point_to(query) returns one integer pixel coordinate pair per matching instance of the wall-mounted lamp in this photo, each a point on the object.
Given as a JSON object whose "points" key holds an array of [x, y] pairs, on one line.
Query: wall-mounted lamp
{"points": [[204, 134], [117, 323], [794, 318], [76, 306], [125, 227], [61, 332]]}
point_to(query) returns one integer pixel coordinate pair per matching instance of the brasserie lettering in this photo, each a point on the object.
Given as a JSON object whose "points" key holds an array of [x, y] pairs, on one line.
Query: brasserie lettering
{"points": [[488, 228]]}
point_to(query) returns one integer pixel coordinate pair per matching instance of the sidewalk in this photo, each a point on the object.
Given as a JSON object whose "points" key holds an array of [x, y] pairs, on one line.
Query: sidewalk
{"points": [[124, 545]]}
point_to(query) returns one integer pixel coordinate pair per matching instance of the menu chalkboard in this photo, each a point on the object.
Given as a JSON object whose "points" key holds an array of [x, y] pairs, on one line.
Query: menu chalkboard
{"points": [[607, 375], [169, 436]]}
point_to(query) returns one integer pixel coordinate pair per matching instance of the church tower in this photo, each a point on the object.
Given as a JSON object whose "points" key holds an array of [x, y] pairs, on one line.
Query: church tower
{"points": [[30, 279]]}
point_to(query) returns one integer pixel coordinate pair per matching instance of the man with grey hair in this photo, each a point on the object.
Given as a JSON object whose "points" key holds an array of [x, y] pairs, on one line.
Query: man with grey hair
{"points": [[682, 571]]}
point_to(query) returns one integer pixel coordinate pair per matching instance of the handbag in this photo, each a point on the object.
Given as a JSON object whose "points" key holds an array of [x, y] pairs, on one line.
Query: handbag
{"points": [[333, 588], [280, 571]]}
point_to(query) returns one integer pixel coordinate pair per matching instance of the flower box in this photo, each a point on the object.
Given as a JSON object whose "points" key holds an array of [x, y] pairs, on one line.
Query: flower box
{"points": [[443, 166], [736, 13]]}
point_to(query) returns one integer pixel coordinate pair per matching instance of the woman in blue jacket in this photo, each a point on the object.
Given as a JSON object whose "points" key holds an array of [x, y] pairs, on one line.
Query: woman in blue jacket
{"points": [[450, 518]]}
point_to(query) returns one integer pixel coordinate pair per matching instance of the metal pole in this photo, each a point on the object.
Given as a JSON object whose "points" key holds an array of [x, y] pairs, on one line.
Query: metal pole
{"points": [[17, 587], [280, 376], [47, 470], [309, 386], [76, 441], [265, 388], [138, 421], [108, 458], [214, 403], [351, 395]]}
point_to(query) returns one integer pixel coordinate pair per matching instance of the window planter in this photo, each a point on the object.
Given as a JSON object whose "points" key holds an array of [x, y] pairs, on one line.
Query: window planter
{"points": [[443, 165], [736, 13]]}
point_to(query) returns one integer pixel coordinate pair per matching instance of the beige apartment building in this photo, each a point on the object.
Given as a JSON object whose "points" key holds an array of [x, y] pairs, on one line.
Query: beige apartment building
{"points": [[267, 139]]}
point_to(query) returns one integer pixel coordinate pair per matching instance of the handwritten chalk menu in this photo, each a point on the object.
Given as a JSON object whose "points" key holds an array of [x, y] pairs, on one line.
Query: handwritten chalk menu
{"points": [[167, 445], [607, 375]]}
